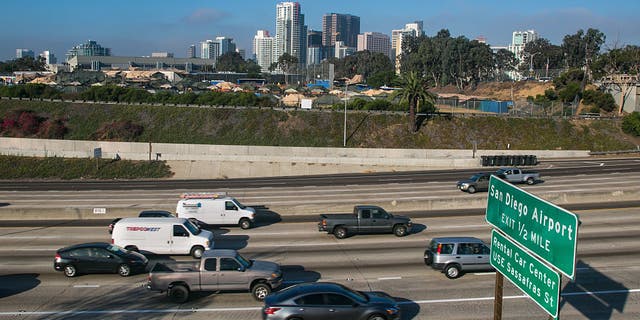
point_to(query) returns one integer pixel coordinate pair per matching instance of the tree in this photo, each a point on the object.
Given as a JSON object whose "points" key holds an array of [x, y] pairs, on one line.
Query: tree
{"points": [[287, 63], [504, 61], [23, 64], [414, 91], [231, 61], [545, 55]]}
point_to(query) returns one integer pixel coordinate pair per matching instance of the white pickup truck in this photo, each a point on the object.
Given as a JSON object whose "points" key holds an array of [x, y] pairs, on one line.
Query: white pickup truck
{"points": [[515, 175]]}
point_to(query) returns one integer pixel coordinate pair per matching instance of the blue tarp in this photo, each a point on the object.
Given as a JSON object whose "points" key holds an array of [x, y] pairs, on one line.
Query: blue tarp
{"points": [[495, 106]]}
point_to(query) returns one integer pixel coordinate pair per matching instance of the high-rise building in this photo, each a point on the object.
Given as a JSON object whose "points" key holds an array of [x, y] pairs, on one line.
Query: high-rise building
{"points": [[191, 51], [340, 27], [291, 33], [341, 50], [413, 29], [264, 49], [315, 49], [90, 48], [209, 49], [225, 45], [49, 57], [21, 53], [375, 42], [519, 40]]}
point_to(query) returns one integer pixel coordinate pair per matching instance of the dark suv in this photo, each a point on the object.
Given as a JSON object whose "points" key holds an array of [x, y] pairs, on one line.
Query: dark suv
{"points": [[144, 214], [454, 255]]}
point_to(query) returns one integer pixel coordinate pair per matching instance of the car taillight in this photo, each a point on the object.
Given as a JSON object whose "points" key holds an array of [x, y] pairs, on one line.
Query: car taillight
{"points": [[149, 278], [112, 241], [270, 310], [58, 258], [439, 248], [324, 222]]}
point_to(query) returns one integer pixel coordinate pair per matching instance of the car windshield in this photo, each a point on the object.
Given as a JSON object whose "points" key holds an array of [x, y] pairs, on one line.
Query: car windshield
{"points": [[116, 249], [245, 263], [192, 227], [240, 205]]}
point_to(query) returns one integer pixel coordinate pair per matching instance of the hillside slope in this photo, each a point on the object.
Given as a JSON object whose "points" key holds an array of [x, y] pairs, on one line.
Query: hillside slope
{"points": [[325, 129]]}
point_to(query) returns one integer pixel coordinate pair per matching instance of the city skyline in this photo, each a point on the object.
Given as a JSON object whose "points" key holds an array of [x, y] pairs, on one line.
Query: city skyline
{"points": [[138, 28]]}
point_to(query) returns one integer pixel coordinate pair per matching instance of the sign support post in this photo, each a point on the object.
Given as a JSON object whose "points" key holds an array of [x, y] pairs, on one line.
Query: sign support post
{"points": [[497, 304]]}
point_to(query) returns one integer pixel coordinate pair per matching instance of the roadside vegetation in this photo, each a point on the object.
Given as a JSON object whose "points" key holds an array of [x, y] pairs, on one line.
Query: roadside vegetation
{"points": [[14, 167], [294, 127]]}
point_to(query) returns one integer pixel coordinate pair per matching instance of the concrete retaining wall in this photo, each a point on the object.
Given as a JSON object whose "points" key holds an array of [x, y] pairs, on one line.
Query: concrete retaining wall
{"points": [[224, 161]]}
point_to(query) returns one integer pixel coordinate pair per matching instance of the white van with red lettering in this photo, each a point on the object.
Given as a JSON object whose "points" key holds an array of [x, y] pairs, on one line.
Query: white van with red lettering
{"points": [[162, 236]]}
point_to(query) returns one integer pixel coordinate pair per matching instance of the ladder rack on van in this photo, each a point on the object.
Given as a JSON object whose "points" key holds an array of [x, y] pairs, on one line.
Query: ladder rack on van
{"points": [[203, 195]]}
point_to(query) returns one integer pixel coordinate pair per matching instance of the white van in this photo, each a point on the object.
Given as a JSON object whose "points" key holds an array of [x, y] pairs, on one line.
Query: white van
{"points": [[162, 236], [215, 208]]}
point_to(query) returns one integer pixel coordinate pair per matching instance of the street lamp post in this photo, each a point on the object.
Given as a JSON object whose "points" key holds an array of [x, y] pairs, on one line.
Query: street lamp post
{"points": [[344, 140], [531, 63]]}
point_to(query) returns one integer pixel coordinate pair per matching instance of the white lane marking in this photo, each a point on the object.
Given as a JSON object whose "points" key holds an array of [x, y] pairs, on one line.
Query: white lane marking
{"points": [[389, 278], [564, 294], [484, 273], [81, 312], [86, 286]]}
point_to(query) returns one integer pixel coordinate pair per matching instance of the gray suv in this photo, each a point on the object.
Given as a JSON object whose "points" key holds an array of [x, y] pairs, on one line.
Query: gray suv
{"points": [[454, 255]]}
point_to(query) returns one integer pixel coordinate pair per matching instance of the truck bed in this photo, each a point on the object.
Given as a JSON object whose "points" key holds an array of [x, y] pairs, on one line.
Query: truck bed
{"points": [[176, 266], [340, 216]]}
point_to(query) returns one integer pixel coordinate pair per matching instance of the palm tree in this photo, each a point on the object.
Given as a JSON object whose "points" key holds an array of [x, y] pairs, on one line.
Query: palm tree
{"points": [[414, 90]]}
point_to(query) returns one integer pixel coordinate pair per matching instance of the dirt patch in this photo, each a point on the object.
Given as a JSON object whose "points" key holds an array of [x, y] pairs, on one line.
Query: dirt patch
{"points": [[519, 90]]}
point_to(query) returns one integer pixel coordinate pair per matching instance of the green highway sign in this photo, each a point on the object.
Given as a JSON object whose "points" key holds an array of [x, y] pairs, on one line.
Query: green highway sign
{"points": [[548, 231], [533, 277]]}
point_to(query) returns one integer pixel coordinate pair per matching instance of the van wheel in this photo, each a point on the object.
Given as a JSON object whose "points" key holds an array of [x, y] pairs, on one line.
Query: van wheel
{"points": [[452, 271], [471, 189], [70, 271], [179, 293], [340, 232], [197, 251], [245, 223], [124, 270], [400, 230], [260, 291]]}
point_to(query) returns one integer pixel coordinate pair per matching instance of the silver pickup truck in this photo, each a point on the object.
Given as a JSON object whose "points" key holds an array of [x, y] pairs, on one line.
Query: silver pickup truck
{"points": [[218, 270], [515, 175]]}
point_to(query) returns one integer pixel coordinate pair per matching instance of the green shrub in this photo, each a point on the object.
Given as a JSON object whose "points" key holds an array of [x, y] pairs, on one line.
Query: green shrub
{"points": [[14, 167], [631, 124]]}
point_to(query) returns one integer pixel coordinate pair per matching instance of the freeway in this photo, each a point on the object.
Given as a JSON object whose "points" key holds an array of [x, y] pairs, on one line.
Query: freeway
{"points": [[548, 168], [607, 285]]}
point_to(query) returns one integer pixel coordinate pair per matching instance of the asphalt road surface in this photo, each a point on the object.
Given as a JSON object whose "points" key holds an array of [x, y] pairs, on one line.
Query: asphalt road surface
{"points": [[607, 285]]}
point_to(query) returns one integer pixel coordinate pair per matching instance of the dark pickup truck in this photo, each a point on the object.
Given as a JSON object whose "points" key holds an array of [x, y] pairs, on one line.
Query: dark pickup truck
{"points": [[218, 270], [365, 219]]}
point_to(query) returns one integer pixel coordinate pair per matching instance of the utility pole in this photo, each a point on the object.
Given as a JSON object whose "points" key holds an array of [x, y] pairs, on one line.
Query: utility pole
{"points": [[344, 140]]}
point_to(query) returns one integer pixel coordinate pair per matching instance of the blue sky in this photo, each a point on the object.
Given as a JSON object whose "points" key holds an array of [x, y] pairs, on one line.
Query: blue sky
{"points": [[139, 27]]}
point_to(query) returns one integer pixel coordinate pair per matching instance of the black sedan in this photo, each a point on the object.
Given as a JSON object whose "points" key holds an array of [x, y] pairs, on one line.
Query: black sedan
{"points": [[318, 300], [98, 257]]}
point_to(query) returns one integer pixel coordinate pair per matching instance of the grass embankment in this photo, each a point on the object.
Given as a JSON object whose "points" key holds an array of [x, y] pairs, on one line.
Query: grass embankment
{"points": [[325, 129], [14, 167]]}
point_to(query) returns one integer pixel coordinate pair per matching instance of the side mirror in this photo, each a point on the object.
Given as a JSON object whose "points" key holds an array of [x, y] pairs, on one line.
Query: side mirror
{"points": [[110, 256], [241, 269]]}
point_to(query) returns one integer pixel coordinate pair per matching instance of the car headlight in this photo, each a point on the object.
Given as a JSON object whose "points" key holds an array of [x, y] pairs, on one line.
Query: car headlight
{"points": [[392, 310]]}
